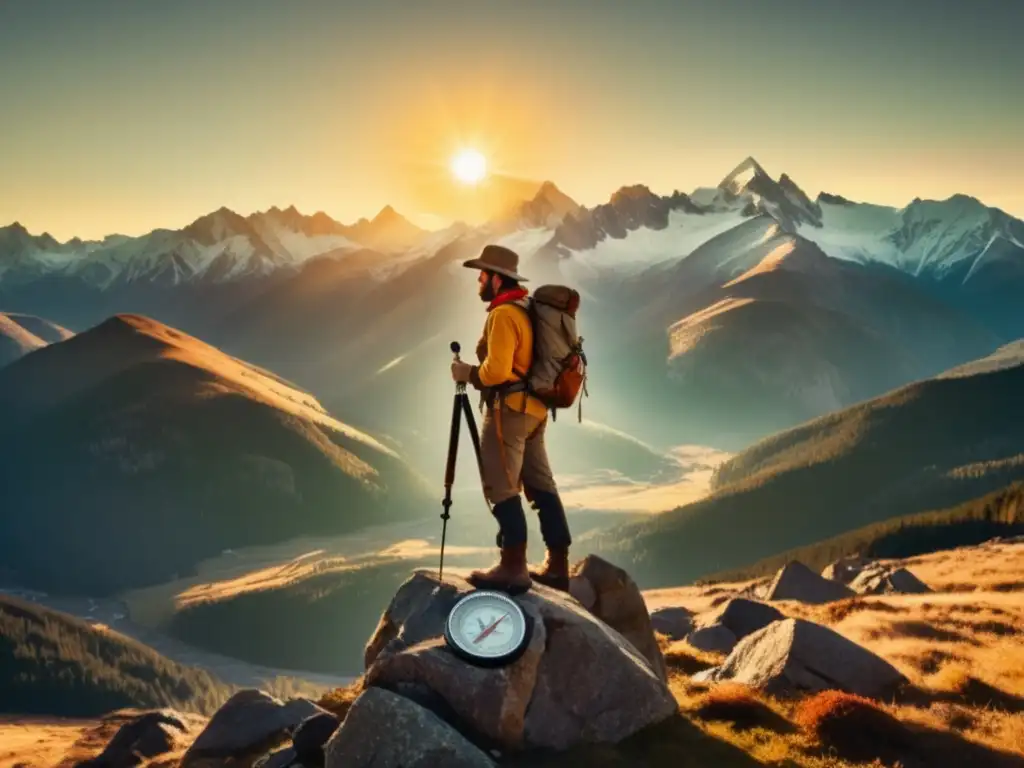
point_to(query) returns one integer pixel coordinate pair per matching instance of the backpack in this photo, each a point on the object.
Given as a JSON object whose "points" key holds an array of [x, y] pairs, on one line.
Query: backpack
{"points": [[558, 370]]}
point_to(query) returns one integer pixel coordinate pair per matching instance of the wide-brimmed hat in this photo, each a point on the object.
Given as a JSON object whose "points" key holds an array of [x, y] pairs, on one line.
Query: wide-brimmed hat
{"points": [[497, 258]]}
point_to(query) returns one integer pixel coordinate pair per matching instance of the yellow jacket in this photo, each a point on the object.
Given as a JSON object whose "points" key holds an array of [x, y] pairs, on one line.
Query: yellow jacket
{"points": [[505, 350]]}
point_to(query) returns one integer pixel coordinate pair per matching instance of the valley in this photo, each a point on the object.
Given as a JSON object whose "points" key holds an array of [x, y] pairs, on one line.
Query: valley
{"points": [[231, 437]]}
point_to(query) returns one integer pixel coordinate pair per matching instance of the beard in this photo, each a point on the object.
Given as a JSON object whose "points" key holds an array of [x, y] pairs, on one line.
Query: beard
{"points": [[487, 292]]}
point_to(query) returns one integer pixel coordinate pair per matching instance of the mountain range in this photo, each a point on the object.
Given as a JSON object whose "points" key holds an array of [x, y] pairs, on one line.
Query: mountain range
{"points": [[926, 446], [717, 316]]}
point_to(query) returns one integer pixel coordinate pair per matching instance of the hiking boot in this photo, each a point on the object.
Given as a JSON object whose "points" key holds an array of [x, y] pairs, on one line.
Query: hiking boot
{"points": [[555, 571], [509, 575]]}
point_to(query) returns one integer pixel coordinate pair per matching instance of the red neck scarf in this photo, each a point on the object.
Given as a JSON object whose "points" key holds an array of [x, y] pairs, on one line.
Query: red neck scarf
{"points": [[507, 296]]}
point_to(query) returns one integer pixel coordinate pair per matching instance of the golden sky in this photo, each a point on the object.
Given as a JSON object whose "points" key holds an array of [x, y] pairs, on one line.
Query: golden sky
{"points": [[123, 116]]}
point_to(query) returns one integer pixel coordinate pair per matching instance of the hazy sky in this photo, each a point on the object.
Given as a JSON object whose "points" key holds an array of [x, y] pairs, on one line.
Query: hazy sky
{"points": [[126, 115]]}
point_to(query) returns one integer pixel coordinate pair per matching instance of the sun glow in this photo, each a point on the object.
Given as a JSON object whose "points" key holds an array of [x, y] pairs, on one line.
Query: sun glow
{"points": [[469, 166]]}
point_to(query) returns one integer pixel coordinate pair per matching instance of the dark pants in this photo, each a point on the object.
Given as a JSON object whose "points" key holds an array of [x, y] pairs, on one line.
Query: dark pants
{"points": [[519, 458]]}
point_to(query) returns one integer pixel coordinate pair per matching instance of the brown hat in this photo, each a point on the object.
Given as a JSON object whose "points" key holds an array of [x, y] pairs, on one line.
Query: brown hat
{"points": [[497, 258]]}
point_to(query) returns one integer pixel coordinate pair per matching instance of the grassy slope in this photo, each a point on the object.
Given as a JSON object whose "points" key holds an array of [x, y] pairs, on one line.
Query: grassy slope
{"points": [[926, 446], [54, 664], [996, 514], [958, 648], [132, 451]]}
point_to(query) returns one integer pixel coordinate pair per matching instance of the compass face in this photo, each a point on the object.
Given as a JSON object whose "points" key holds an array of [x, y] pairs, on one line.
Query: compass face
{"points": [[487, 625]]}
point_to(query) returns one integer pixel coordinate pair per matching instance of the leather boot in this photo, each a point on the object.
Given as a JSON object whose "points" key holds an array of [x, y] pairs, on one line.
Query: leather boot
{"points": [[555, 571], [508, 575]]}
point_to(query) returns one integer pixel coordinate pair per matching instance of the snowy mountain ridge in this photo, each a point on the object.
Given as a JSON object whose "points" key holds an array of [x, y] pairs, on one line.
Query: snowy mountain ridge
{"points": [[955, 239]]}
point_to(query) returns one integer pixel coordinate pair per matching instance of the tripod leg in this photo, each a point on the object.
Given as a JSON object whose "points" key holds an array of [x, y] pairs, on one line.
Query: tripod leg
{"points": [[449, 474]]}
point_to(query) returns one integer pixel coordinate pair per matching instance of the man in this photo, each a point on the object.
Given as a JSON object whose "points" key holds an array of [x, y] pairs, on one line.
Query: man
{"points": [[512, 447]]}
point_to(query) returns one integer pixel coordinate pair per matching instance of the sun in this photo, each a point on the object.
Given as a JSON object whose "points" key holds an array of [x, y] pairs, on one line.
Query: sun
{"points": [[469, 166]]}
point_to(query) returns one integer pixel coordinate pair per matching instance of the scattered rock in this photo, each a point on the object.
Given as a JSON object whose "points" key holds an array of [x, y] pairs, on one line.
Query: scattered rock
{"points": [[845, 569], [880, 581], [249, 720], [311, 735], [617, 602], [675, 623], [715, 638], [385, 730], [795, 581], [579, 681], [795, 655], [145, 736], [742, 616]]}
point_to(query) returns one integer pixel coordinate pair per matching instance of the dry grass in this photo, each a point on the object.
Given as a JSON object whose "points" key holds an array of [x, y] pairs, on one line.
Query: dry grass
{"points": [[964, 706], [959, 648], [683, 658], [339, 700]]}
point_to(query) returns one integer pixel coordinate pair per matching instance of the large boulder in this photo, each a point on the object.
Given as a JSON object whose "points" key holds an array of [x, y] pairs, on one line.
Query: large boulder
{"points": [[674, 622], [309, 738], [145, 735], [795, 581], [611, 595], [880, 580], [794, 656], [251, 721], [715, 638], [579, 680], [386, 730], [742, 616]]}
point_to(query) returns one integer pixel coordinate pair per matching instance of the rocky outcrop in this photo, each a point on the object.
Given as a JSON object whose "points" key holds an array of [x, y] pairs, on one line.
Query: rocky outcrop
{"points": [[871, 577], [250, 721], [795, 581], [674, 622], [610, 594], [386, 730], [715, 638], [580, 680], [144, 736], [845, 569], [587, 676], [742, 616], [719, 629], [880, 580], [311, 735], [795, 656]]}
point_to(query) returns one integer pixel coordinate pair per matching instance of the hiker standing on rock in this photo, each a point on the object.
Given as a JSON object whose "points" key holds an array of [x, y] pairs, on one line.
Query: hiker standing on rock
{"points": [[513, 453]]}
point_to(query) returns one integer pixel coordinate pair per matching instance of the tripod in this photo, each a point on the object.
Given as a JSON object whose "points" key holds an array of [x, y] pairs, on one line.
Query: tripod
{"points": [[459, 406]]}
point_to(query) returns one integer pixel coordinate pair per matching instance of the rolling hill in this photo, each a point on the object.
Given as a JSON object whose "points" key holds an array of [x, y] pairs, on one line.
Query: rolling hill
{"points": [[925, 446], [55, 664], [998, 514], [132, 451], [21, 334]]}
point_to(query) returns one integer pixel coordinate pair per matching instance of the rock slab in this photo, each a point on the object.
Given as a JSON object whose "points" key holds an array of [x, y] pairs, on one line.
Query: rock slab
{"points": [[145, 736], [741, 616], [883, 581], [795, 655], [385, 730], [311, 735], [249, 720], [795, 581], [715, 638], [674, 622], [580, 680], [611, 595]]}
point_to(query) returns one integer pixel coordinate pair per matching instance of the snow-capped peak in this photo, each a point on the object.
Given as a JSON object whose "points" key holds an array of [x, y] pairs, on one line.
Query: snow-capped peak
{"points": [[740, 178], [547, 208]]}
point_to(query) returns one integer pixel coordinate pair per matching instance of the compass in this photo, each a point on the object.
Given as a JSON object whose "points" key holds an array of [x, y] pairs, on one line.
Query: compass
{"points": [[487, 628]]}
